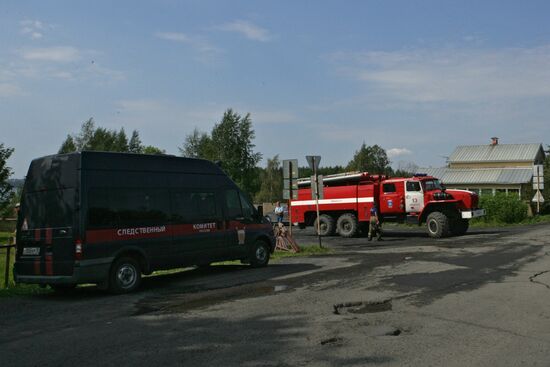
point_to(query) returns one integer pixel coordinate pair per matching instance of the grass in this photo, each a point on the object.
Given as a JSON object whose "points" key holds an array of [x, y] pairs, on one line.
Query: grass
{"points": [[13, 289], [480, 223]]}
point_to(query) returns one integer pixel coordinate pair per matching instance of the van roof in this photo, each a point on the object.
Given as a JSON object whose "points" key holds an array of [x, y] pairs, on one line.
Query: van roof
{"points": [[60, 170], [92, 160]]}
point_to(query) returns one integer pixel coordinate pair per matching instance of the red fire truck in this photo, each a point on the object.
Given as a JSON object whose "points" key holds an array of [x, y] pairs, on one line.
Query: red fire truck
{"points": [[349, 197]]}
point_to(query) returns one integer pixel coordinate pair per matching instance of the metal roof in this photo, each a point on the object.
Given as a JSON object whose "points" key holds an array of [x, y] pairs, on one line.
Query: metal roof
{"points": [[495, 153], [454, 176]]}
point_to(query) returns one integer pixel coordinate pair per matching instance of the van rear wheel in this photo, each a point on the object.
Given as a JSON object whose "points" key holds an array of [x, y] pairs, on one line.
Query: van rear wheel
{"points": [[125, 275], [260, 254]]}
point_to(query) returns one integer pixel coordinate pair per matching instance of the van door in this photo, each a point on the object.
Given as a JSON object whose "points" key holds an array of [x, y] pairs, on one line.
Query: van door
{"points": [[198, 229], [240, 228], [45, 239], [414, 197]]}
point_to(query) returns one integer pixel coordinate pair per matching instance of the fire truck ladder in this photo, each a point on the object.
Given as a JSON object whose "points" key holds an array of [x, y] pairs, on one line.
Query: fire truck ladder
{"points": [[338, 179]]}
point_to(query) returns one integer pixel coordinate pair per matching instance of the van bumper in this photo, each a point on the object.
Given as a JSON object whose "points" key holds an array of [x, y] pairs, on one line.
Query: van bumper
{"points": [[90, 271]]}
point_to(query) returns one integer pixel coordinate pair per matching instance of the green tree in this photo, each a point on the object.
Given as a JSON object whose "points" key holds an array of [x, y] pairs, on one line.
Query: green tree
{"points": [[271, 182], [68, 145], [134, 145], [6, 192], [197, 145], [230, 142], [372, 159], [149, 149], [102, 139]]}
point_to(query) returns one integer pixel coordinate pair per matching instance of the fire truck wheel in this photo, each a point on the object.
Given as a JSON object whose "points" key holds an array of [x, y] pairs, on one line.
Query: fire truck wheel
{"points": [[460, 226], [438, 225], [326, 224], [260, 254], [125, 275], [347, 225]]}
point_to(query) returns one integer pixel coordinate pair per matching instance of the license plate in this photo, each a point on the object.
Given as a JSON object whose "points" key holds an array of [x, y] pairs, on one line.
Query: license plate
{"points": [[31, 251]]}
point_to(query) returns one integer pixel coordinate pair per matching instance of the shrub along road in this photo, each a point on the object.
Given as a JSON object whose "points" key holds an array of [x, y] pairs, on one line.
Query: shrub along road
{"points": [[476, 300]]}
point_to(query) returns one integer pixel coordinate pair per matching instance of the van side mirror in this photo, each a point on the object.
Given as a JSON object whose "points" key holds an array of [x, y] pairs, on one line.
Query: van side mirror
{"points": [[260, 211]]}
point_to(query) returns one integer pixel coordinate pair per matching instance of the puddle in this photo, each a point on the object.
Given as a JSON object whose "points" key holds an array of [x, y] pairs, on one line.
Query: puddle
{"points": [[200, 299], [363, 307]]}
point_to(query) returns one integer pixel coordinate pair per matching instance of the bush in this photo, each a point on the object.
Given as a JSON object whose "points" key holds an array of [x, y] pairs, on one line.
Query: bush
{"points": [[503, 208]]}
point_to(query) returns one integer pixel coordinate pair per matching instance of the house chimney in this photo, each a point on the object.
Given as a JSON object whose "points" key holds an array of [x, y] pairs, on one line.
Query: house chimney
{"points": [[494, 140]]}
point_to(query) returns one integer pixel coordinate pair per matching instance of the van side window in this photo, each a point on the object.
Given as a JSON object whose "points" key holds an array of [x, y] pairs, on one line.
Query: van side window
{"points": [[248, 209], [194, 206], [413, 186], [389, 187], [233, 204], [110, 208]]}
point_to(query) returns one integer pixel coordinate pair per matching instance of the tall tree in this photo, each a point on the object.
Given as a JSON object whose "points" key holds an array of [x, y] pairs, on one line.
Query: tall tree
{"points": [[230, 142], [271, 181], [102, 139], [197, 145], [372, 159], [134, 145], [6, 192]]}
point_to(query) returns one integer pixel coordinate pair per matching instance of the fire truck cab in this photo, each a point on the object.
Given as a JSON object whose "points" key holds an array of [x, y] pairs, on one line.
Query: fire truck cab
{"points": [[349, 197]]}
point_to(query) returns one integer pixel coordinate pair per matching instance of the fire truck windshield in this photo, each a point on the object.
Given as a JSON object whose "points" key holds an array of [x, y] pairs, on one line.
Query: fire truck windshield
{"points": [[430, 185]]}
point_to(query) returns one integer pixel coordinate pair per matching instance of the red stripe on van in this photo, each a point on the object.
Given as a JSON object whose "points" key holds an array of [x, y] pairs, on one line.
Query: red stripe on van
{"points": [[49, 265], [109, 235], [48, 236], [37, 235], [124, 234], [37, 267]]}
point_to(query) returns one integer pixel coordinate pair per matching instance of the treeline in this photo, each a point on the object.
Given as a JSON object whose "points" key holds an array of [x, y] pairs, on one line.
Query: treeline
{"points": [[231, 142]]}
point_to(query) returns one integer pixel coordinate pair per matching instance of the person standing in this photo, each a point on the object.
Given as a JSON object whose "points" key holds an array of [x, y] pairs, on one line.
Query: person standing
{"points": [[374, 224], [279, 212]]}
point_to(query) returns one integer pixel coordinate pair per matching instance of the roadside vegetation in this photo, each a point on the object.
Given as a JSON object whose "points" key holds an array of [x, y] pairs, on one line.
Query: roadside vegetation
{"points": [[504, 210]]}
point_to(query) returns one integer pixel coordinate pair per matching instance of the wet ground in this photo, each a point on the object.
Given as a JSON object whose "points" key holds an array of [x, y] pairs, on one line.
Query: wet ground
{"points": [[478, 299]]}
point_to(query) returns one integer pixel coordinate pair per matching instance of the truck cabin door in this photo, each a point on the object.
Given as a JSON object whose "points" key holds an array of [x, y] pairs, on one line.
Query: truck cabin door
{"points": [[414, 197]]}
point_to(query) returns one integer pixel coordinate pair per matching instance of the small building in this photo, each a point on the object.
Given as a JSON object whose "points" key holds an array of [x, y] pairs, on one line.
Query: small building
{"points": [[488, 169]]}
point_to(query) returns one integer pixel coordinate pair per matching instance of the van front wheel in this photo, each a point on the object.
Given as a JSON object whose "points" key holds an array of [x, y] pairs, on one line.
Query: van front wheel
{"points": [[260, 254], [125, 275]]}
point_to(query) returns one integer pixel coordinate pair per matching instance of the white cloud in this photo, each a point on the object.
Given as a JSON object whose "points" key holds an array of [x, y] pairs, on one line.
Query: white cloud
{"points": [[207, 52], [396, 152], [32, 28], [247, 29], [173, 36], [451, 75], [9, 90], [60, 54], [139, 105]]}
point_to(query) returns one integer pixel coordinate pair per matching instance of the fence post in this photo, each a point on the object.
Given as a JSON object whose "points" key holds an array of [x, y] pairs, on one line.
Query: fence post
{"points": [[7, 274]]}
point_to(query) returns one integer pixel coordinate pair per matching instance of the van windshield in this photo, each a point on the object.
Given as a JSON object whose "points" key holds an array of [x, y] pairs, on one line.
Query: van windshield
{"points": [[48, 209]]}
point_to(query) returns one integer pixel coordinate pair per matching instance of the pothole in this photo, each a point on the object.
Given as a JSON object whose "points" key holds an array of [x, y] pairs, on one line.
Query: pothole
{"points": [[363, 306], [333, 340]]}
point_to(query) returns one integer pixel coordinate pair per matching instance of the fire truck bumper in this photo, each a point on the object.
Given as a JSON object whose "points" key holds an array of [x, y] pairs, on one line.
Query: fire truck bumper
{"points": [[469, 214]]}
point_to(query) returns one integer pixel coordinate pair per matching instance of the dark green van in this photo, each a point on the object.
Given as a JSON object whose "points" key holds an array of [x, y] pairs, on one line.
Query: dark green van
{"points": [[108, 218]]}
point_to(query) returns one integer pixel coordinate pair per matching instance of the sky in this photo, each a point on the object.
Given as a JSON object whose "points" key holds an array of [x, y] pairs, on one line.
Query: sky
{"points": [[317, 77]]}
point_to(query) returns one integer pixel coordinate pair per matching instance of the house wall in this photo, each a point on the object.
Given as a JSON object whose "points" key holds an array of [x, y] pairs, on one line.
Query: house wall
{"points": [[491, 189]]}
